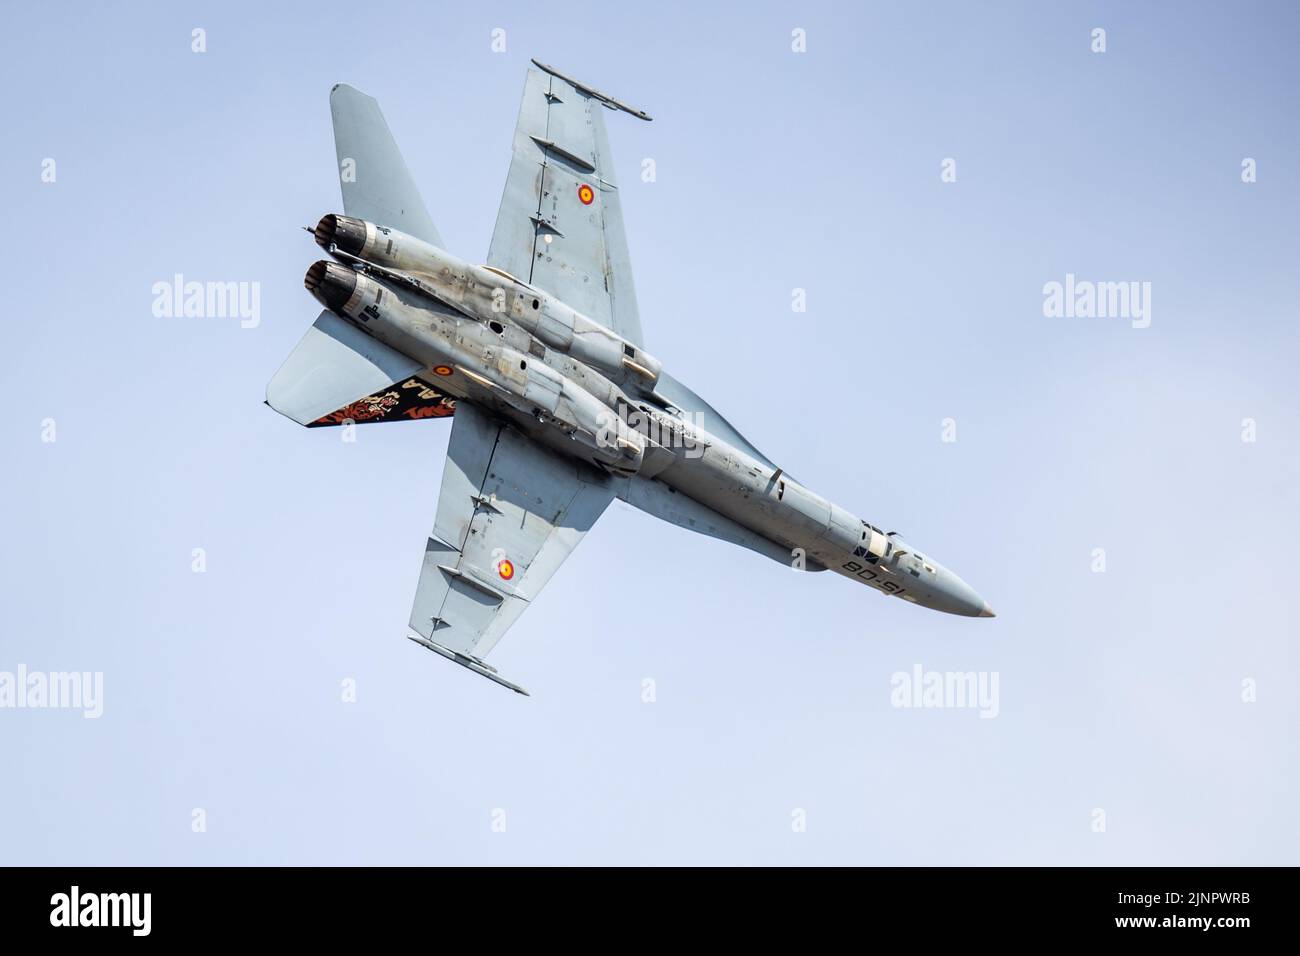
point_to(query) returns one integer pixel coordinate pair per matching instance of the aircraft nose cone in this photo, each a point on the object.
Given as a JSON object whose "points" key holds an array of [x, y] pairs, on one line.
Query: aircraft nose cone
{"points": [[957, 597], [331, 284]]}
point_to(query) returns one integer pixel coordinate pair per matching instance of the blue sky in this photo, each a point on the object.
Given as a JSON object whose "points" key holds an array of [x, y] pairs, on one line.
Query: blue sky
{"points": [[1119, 691]]}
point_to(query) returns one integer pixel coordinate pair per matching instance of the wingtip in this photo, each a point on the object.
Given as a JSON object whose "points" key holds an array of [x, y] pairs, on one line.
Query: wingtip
{"points": [[469, 663], [604, 98]]}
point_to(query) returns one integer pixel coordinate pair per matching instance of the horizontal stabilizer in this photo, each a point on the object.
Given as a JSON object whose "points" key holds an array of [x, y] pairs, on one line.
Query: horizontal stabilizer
{"points": [[337, 374]]}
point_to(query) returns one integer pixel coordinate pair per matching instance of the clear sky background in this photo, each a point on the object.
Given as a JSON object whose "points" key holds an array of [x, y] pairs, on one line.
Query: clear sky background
{"points": [[1120, 691]]}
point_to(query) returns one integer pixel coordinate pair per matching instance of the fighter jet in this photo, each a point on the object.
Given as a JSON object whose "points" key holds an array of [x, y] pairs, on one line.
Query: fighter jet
{"points": [[538, 358]]}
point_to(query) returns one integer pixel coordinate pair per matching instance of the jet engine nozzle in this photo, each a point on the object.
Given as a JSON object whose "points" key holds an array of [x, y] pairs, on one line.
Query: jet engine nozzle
{"points": [[333, 285], [342, 232]]}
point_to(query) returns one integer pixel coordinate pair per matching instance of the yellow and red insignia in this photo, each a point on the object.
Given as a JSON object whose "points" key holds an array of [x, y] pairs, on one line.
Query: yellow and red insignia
{"points": [[586, 194], [506, 569], [442, 369]]}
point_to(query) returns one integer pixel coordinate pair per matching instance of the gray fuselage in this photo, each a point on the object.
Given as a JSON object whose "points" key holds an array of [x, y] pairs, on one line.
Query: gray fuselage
{"points": [[576, 387]]}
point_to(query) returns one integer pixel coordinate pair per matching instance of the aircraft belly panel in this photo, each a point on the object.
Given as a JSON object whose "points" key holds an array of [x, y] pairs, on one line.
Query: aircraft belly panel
{"points": [[806, 511]]}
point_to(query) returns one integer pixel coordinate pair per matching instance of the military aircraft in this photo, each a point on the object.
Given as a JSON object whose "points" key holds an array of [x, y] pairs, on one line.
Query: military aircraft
{"points": [[538, 358]]}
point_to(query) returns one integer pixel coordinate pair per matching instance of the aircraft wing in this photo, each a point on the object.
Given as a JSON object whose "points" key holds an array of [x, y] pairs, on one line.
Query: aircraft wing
{"points": [[509, 513], [560, 225]]}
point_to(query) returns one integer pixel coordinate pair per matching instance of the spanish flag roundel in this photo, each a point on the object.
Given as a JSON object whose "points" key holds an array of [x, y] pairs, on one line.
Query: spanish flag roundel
{"points": [[586, 194], [506, 569]]}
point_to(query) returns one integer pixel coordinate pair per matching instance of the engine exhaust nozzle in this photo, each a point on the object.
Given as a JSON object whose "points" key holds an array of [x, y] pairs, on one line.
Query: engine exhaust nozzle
{"points": [[331, 284], [342, 232]]}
